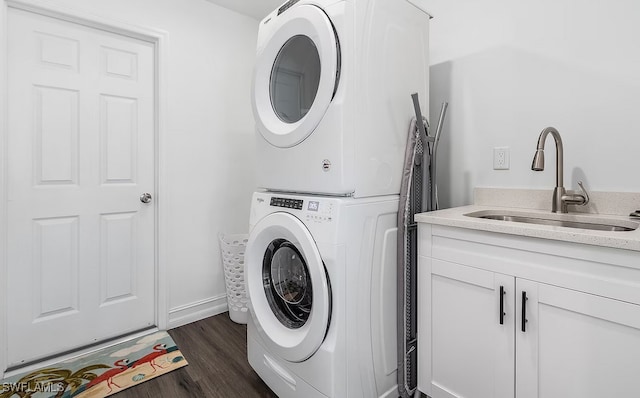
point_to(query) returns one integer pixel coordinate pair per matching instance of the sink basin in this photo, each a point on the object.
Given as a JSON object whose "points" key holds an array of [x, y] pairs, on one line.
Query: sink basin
{"points": [[558, 220]]}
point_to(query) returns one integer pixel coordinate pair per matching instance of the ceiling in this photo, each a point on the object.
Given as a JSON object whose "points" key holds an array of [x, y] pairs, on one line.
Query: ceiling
{"points": [[257, 9]]}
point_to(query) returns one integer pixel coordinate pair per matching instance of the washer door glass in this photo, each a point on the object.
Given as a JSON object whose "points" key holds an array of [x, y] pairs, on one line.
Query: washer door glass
{"points": [[287, 283], [288, 287]]}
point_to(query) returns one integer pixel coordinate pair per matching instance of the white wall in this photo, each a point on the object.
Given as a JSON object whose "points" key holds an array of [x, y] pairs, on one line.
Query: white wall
{"points": [[510, 68], [209, 142]]}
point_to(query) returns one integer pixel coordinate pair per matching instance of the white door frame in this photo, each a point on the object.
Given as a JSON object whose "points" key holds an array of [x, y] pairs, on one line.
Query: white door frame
{"points": [[159, 39]]}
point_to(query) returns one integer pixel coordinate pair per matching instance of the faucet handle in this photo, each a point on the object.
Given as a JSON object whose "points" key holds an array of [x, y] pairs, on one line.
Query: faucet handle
{"points": [[584, 193], [576, 198]]}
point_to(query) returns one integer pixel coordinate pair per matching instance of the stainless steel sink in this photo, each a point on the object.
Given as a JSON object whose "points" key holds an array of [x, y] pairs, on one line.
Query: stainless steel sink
{"points": [[572, 221]]}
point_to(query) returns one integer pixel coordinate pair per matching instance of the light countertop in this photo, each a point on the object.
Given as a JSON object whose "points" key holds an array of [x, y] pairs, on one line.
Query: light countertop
{"points": [[455, 217]]}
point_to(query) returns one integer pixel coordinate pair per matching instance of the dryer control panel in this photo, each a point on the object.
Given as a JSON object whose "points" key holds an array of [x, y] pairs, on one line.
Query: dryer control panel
{"points": [[286, 6]]}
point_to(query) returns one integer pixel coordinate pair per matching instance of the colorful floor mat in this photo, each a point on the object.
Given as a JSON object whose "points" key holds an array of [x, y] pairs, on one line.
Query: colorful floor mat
{"points": [[101, 373]]}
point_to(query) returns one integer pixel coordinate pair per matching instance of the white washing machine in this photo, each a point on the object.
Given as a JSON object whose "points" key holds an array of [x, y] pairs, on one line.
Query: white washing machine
{"points": [[321, 279], [331, 94]]}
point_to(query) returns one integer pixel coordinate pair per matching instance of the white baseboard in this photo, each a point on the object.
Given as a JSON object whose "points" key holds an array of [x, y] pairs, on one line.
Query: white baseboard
{"points": [[196, 311]]}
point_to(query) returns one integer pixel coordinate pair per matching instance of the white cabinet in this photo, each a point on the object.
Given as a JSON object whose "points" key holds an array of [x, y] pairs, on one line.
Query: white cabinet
{"points": [[576, 345], [577, 333], [473, 353]]}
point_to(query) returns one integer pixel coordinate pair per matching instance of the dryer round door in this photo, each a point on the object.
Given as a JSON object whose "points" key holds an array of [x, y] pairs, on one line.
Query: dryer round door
{"points": [[296, 75], [288, 287]]}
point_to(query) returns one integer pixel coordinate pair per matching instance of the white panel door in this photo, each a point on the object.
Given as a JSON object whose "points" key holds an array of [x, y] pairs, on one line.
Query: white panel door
{"points": [[80, 154], [472, 346], [575, 345]]}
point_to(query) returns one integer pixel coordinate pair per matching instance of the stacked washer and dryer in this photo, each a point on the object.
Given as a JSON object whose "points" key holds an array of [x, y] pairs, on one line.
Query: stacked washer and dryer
{"points": [[331, 99]]}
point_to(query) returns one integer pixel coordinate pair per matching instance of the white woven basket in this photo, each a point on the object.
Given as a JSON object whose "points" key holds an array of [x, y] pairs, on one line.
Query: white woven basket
{"points": [[232, 248]]}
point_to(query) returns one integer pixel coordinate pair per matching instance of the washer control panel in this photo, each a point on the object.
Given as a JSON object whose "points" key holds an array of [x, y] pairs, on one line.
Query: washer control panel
{"points": [[311, 209], [319, 211], [287, 203]]}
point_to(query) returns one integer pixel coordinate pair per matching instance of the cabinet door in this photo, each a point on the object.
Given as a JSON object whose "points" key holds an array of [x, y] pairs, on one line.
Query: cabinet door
{"points": [[575, 345], [471, 350]]}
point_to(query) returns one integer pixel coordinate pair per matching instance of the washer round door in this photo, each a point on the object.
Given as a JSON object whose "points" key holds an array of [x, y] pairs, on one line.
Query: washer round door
{"points": [[288, 287], [295, 76]]}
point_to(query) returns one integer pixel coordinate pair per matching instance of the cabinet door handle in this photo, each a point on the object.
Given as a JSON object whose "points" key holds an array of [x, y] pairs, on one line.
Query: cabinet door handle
{"points": [[524, 311], [502, 314]]}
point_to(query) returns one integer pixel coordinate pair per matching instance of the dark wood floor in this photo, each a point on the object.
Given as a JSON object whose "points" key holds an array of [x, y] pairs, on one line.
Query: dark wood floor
{"points": [[216, 349]]}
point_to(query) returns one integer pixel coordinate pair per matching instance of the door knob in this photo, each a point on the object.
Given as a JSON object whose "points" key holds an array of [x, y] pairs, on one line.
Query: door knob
{"points": [[145, 197]]}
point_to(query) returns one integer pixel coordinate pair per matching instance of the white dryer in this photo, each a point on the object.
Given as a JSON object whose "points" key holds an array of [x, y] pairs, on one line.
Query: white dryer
{"points": [[321, 279], [331, 94]]}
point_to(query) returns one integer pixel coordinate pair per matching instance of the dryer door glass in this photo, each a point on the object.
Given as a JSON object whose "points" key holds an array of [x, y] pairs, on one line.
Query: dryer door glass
{"points": [[296, 75], [295, 78], [287, 283]]}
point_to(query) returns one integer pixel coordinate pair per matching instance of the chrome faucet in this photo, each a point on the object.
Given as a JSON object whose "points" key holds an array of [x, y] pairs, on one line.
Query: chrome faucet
{"points": [[560, 198]]}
